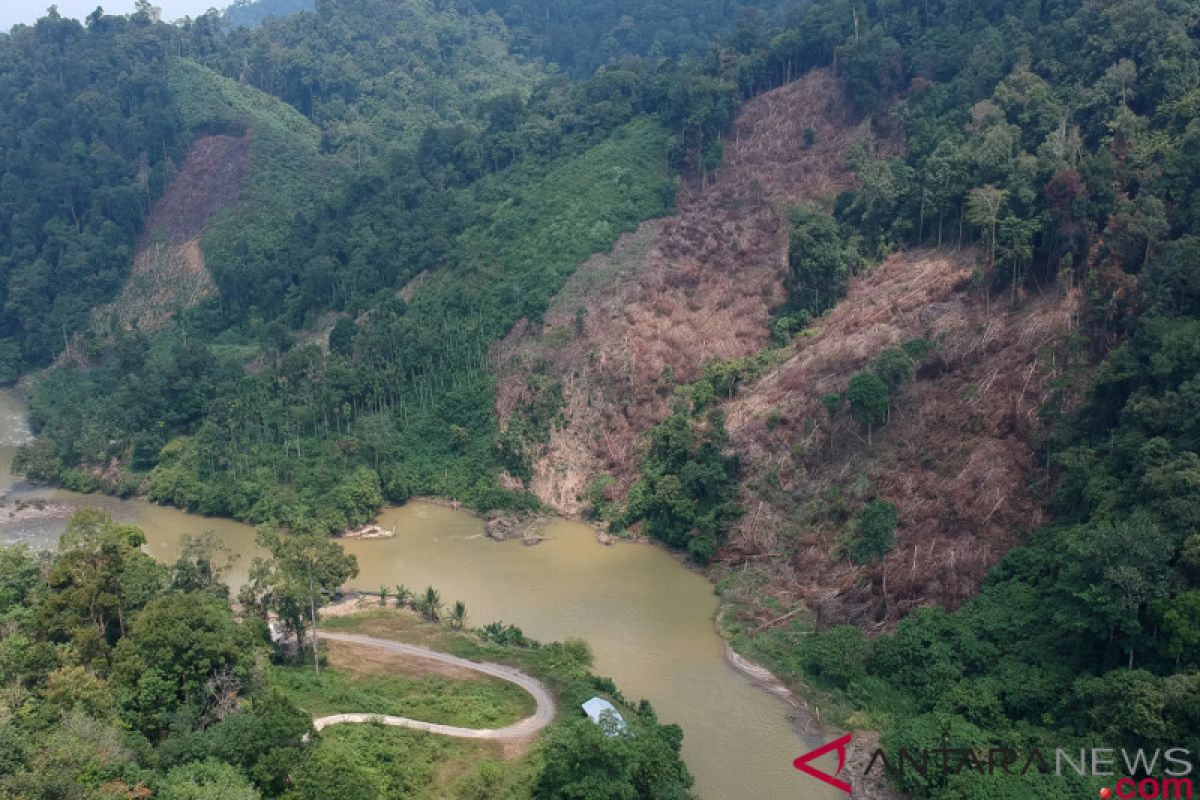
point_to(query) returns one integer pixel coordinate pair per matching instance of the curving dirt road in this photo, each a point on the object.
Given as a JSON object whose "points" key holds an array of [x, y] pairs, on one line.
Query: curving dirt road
{"points": [[542, 716]]}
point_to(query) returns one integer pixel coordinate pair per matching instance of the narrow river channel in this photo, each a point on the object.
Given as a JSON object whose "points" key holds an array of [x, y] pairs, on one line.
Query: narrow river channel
{"points": [[647, 618]]}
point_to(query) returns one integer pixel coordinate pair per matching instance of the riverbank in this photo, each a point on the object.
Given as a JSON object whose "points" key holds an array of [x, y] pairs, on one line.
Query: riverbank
{"points": [[805, 716], [20, 510], [649, 623]]}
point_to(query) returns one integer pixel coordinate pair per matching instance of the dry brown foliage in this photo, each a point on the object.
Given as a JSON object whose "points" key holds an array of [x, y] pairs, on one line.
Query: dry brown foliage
{"points": [[207, 182], [954, 457], [168, 271], [680, 291]]}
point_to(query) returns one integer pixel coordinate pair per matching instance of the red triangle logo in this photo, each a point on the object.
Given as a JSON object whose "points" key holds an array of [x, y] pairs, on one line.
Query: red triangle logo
{"points": [[840, 746]]}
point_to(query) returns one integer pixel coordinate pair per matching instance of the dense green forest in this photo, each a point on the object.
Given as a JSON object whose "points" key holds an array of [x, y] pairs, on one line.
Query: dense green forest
{"points": [[404, 391], [424, 175], [581, 36], [87, 136]]}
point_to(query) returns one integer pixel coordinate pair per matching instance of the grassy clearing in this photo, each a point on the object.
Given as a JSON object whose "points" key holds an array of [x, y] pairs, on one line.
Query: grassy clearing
{"points": [[393, 763], [361, 681], [563, 666], [403, 626], [397, 763]]}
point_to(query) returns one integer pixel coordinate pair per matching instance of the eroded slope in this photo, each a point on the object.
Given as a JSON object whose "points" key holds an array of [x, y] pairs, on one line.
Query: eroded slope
{"points": [[955, 456], [676, 293], [168, 271]]}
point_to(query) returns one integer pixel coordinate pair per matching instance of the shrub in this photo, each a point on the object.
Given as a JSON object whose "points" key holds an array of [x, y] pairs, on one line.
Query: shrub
{"points": [[894, 367], [820, 262], [869, 398], [875, 525]]}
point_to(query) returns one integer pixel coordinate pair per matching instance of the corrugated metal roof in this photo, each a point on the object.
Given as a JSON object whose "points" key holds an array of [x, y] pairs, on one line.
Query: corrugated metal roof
{"points": [[598, 708]]}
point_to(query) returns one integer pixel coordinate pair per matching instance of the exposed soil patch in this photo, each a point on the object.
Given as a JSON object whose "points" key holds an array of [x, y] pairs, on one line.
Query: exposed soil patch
{"points": [[207, 182], [678, 292], [168, 271], [955, 456]]}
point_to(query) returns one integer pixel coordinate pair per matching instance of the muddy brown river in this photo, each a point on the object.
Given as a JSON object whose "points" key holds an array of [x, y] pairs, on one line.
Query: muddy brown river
{"points": [[648, 620]]}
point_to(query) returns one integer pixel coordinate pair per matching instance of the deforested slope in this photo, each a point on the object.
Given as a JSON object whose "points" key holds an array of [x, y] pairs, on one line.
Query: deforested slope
{"points": [[677, 293], [169, 274], [954, 456]]}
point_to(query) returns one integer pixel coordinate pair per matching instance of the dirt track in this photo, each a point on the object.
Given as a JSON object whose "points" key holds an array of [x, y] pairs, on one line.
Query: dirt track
{"points": [[542, 716]]}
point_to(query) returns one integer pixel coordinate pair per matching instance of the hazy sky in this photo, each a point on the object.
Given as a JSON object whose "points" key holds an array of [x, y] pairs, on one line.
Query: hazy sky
{"points": [[27, 11]]}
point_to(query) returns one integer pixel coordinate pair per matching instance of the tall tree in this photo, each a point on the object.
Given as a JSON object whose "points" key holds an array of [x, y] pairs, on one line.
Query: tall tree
{"points": [[308, 566]]}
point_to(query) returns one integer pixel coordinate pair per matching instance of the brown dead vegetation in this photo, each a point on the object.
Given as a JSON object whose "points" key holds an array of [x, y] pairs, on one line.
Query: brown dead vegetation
{"points": [[168, 272], [954, 457], [165, 280], [678, 292], [207, 182]]}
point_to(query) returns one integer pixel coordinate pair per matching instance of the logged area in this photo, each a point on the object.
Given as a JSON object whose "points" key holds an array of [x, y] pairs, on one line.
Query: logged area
{"points": [[883, 317], [208, 182], [955, 457], [678, 292], [169, 274]]}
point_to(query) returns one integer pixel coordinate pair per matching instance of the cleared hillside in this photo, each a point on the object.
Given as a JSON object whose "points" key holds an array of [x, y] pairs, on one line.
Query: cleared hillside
{"points": [[676, 293], [955, 456], [169, 273], [253, 156]]}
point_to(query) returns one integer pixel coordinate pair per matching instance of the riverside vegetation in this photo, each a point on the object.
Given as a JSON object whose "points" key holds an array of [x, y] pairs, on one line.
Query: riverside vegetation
{"points": [[344, 359], [126, 678]]}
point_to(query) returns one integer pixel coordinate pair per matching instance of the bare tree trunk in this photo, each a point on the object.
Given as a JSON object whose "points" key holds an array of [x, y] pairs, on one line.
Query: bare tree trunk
{"points": [[312, 609]]}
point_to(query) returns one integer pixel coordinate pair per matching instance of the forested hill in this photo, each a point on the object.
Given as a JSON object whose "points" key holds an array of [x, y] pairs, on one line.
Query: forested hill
{"points": [[421, 187], [248, 14], [964, 236]]}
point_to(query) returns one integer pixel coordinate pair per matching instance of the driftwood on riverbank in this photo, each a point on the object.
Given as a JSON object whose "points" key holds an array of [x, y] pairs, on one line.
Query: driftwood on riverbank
{"points": [[503, 528], [372, 531]]}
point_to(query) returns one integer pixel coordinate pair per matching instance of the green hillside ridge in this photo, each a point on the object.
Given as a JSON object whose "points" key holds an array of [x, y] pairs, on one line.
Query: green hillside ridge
{"points": [[375, 76], [411, 409], [420, 188], [285, 162]]}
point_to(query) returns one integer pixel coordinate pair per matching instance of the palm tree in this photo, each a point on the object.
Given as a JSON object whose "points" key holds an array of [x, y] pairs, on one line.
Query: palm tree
{"points": [[458, 615], [383, 595], [431, 604], [403, 595]]}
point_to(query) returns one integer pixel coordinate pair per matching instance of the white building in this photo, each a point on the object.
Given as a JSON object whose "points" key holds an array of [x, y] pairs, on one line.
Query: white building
{"points": [[602, 712]]}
